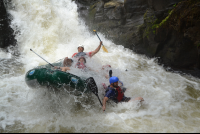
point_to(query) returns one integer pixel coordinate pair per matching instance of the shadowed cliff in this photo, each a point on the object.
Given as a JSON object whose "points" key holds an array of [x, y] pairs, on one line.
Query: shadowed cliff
{"points": [[6, 33]]}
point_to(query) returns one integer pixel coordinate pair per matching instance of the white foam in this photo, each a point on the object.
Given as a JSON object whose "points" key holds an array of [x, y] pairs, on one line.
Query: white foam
{"points": [[5, 55], [53, 30]]}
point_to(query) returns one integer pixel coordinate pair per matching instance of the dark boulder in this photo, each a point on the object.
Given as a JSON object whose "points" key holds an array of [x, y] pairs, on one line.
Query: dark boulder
{"points": [[6, 33], [182, 30]]}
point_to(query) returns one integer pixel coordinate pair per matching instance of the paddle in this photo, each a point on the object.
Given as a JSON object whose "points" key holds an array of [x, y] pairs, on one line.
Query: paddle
{"points": [[91, 84], [104, 49], [42, 58], [110, 73]]}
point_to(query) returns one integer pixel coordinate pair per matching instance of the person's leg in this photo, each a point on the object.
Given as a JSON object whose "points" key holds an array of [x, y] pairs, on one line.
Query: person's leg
{"points": [[126, 99], [139, 98]]}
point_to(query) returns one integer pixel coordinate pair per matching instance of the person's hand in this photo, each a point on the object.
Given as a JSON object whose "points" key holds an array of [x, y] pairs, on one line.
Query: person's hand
{"points": [[101, 42], [57, 67], [107, 76]]}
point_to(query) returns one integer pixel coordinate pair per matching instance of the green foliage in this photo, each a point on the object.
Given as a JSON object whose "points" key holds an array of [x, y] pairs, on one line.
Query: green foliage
{"points": [[198, 45], [145, 15], [174, 5], [147, 32], [154, 26], [163, 21]]}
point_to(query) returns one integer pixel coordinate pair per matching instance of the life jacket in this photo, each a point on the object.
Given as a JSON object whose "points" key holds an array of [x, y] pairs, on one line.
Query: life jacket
{"points": [[80, 54], [80, 65], [119, 94]]}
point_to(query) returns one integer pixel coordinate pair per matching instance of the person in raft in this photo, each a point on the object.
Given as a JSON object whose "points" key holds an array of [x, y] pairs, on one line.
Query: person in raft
{"points": [[80, 64], [106, 69], [68, 62], [115, 93]]}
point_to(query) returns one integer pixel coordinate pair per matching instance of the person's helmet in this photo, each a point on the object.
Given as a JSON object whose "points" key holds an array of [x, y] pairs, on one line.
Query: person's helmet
{"points": [[81, 46], [113, 79]]}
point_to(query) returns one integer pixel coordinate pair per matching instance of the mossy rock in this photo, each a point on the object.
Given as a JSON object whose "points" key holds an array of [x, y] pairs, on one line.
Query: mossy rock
{"points": [[111, 4], [92, 13], [125, 39], [108, 24]]}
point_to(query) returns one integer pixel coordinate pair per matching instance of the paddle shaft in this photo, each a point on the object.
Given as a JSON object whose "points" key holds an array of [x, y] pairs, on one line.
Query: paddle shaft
{"points": [[98, 37], [42, 58], [99, 100]]}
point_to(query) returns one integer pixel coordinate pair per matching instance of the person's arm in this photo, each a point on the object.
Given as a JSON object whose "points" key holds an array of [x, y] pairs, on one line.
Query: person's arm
{"points": [[97, 49], [64, 69], [108, 94], [104, 103], [74, 55], [56, 67]]}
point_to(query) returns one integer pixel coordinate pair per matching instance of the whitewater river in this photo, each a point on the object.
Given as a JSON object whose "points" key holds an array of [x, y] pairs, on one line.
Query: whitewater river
{"points": [[53, 30]]}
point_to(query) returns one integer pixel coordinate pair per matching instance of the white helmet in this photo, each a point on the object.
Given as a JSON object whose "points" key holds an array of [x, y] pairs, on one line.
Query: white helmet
{"points": [[81, 46]]}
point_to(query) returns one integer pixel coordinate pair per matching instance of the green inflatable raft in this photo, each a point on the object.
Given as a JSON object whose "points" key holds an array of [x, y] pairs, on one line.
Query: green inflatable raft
{"points": [[46, 76]]}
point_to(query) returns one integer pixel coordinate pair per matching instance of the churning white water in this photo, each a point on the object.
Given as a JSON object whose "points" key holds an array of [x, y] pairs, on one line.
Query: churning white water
{"points": [[53, 30]]}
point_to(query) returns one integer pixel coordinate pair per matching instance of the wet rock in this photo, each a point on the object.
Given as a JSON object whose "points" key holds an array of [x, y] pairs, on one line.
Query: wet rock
{"points": [[182, 36], [86, 2], [113, 10], [6, 33]]}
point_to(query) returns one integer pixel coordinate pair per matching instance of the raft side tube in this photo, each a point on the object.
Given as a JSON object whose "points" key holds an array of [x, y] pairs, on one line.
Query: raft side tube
{"points": [[56, 78]]}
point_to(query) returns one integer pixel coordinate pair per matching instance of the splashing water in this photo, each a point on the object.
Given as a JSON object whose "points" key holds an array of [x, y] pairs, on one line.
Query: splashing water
{"points": [[53, 30]]}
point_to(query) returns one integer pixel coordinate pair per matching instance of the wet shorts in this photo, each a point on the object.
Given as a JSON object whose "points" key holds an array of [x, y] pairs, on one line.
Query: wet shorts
{"points": [[126, 99]]}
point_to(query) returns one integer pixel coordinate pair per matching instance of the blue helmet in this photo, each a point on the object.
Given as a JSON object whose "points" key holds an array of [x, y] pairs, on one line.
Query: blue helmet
{"points": [[113, 79]]}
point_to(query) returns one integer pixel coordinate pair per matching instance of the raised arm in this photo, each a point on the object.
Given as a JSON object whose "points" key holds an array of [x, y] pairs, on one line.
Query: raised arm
{"points": [[97, 49]]}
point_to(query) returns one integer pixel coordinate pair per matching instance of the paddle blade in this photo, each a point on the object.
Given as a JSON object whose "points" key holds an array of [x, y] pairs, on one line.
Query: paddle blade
{"points": [[91, 85], [110, 73], [104, 49]]}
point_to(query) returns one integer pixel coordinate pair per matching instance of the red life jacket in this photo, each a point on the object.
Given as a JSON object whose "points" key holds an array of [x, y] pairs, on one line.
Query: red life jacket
{"points": [[80, 65], [120, 94]]}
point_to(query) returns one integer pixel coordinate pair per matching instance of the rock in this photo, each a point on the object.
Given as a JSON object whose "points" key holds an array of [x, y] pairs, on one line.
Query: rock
{"points": [[181, 38], [136, 6], [6, 33], [115, 13], [111, 4], [86, 2], [159, 5]]}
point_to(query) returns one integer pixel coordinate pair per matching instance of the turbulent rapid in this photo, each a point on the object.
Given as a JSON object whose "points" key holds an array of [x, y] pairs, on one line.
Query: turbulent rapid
{"points": [[53, 30]]}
